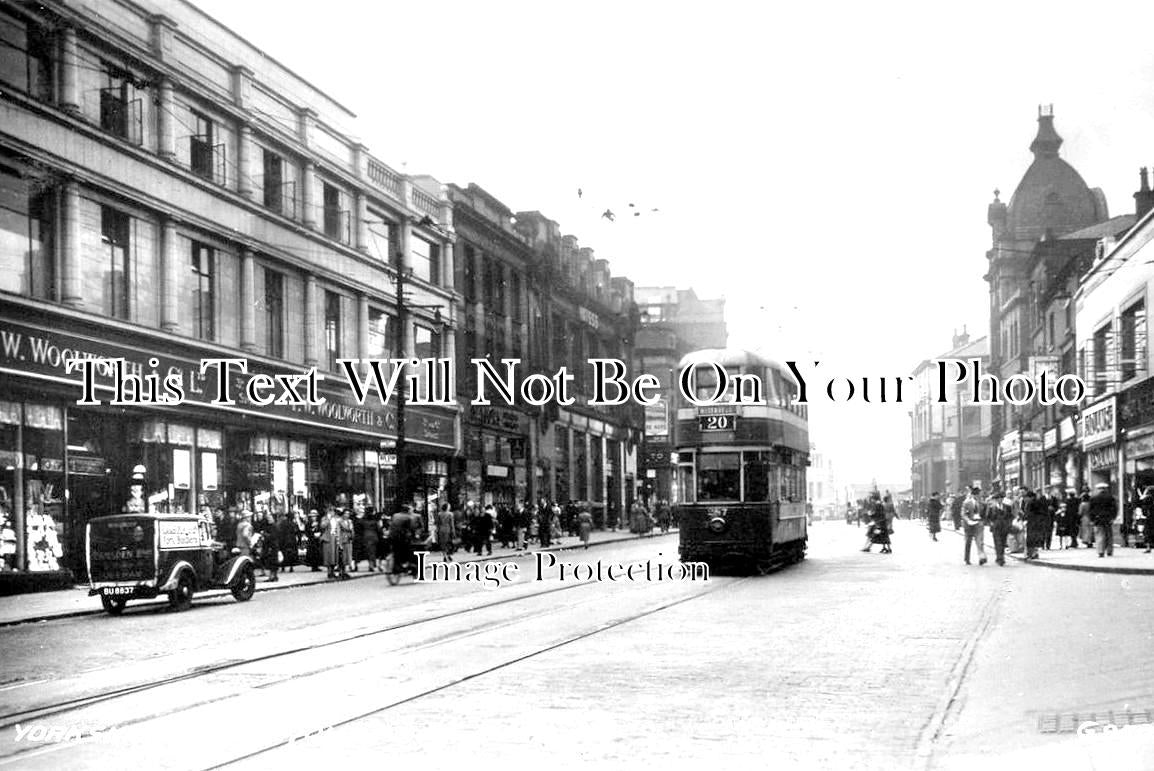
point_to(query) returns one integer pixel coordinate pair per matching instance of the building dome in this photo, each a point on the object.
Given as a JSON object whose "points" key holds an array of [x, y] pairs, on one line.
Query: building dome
{"points": [[1052, 198]]}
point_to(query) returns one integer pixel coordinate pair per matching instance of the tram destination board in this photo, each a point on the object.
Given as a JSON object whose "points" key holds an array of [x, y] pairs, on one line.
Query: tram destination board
{"points": [[726, 422]]}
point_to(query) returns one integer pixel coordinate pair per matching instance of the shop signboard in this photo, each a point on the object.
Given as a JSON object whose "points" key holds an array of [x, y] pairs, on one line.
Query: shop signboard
{"points": [[1011, 445], [178, 534], [1098, 422], [1066, 430], [1031, 441], [43, 354], [657, 420], [1142, 447], [1050, 439], [1102, 458]]}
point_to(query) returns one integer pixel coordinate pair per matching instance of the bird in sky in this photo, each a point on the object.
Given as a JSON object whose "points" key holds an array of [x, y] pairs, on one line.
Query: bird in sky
{"points": [[579, 192], [609, 215]]}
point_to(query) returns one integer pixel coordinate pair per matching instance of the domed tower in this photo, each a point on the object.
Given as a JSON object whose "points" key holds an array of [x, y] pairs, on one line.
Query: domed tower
{"points": [[1051, 200]]}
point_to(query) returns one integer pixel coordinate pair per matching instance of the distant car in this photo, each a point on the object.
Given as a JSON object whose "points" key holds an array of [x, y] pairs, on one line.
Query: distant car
{"points": [[143, 555]]}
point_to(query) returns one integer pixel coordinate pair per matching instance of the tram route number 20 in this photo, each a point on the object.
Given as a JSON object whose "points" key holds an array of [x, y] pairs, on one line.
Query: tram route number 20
{"points": [[716, 422]]}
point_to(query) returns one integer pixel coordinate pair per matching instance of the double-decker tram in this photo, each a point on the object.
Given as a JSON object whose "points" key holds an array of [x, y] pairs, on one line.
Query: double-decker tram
{"points": [[740, 467]]}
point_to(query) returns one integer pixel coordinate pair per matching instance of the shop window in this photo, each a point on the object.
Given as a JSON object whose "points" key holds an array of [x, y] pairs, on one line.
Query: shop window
{"points": [[332, 329], [1101, 343], [26, 56], [274, 313], [121, 110], [426, 343], [27, 235], [468, 274], [757, 474], [424, 259]]}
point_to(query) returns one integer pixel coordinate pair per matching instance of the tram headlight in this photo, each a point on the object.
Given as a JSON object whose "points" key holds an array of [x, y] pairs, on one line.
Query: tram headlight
{"points": [[717, 524]]}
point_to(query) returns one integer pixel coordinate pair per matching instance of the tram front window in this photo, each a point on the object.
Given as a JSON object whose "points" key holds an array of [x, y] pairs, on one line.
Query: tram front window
{"points": [[719, 476]]}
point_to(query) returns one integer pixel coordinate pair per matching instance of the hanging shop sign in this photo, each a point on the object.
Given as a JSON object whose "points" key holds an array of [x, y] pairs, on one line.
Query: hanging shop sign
{"points": [[1098, 424], [43, 354], [1067, 432], [1050, 439]]}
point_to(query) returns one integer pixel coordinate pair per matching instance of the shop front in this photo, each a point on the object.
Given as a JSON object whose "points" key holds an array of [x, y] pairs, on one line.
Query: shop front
{"points": [[62, 463], [1010, 460], [497, 446], [1099, 435]]}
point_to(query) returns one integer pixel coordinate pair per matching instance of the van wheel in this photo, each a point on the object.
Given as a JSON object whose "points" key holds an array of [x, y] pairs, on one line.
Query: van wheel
{"points": [[244, 585], [180, 598], [113, 606]]}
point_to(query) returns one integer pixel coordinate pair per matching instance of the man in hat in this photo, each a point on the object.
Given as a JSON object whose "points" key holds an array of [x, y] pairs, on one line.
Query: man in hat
{"points": [[934, 513], [1001, 517], [1103, 511], [974, 523]]}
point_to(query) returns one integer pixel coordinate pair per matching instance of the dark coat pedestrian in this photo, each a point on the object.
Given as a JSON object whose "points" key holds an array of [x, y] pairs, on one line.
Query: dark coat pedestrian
{"points": [[1037, 515], [934, 516], [545, 524]]}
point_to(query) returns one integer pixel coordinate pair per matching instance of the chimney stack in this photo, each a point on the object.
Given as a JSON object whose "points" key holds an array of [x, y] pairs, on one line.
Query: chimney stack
{"points": [[1144, 198], [962, 339]]}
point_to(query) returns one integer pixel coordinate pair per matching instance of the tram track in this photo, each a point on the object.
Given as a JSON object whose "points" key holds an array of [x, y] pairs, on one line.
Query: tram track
{"points": [[9, 720], [288, 680]]}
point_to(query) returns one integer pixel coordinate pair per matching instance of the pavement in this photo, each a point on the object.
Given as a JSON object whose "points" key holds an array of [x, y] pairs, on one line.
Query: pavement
{"points": [[44, 606], [1126, 560]]}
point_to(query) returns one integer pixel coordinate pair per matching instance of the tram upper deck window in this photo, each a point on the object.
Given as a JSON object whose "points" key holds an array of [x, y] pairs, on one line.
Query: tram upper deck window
{"points": [[719, 476]]}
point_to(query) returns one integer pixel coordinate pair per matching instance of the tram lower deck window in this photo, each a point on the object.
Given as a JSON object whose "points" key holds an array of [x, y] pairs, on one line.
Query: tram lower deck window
{"points": [[719, 476]]}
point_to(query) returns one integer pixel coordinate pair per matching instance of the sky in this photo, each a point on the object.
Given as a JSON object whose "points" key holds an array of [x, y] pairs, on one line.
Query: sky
{"points": [[825, 167]]}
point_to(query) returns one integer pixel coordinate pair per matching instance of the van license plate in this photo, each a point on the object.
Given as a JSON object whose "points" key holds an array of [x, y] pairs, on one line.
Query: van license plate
{"points": [[117, 591]]}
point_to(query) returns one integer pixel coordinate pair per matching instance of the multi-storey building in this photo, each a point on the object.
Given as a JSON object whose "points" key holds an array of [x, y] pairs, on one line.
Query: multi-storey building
{"points": [[169, 194], [582, 312], [1051, 201], [950, 443], [673, 323]]}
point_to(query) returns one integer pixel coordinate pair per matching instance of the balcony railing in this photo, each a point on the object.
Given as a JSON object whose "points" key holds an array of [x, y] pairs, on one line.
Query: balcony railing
{"points": [[426, 202], [121, 117], [385, 178], [207, 160]]}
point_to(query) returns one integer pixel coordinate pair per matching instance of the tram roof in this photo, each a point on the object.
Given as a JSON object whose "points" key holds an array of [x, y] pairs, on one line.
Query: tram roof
{"points": [[729, 357]]}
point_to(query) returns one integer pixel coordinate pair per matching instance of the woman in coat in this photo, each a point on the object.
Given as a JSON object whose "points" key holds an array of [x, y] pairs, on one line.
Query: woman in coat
{"points": [[370, 537], [313, 556], [1037, 519], [272, 547], [584, 526], [934, 515], [445, 526], [1086, 527]]}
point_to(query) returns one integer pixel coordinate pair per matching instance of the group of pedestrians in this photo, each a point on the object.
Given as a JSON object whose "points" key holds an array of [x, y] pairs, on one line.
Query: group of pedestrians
{"points": [[879, 513], [1028, 520]]}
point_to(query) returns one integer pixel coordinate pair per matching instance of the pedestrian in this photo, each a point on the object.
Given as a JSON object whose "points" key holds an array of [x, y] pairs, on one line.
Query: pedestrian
{"points": [[1103, 511], [878, 531], [934, 515], [545, 524], [1001, 517], [371, 537], [1148, 511], [1085, 525], [272, 551], [482, 526], [1053, 506], [971, 509], [336, 538], [956, 509], [244, 533], [891, 512], [1036, 511], [446, 532], [1068, 521], [520, 525], [584, 526], [313, 555], [404, 528], [463, 521], [663, 515]]}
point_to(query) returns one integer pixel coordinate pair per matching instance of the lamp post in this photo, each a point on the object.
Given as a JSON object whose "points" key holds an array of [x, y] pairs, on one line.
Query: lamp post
{"points": [[403, 307]]}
